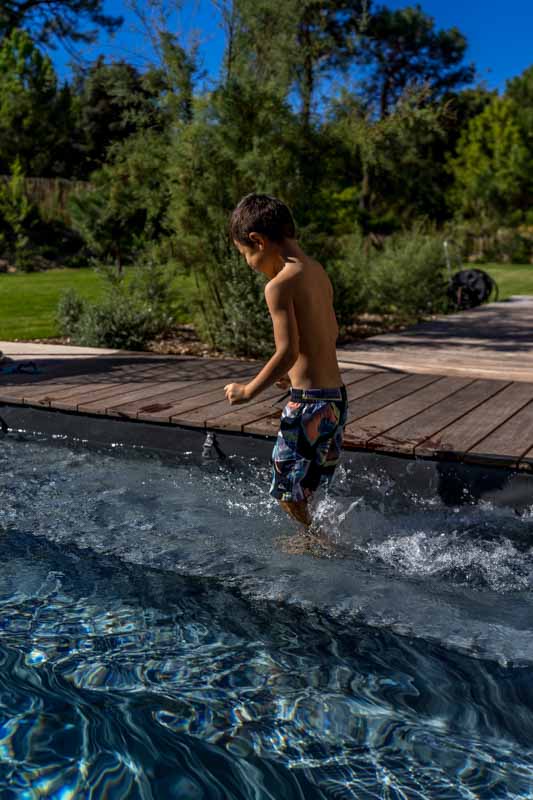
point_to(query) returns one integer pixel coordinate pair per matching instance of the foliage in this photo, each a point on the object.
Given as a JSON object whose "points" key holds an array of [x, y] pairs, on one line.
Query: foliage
{"points": [[17, 217], [132, 312], [348, 273], [237, 321], [50, 20], [36, 119], [381, 145], [113, 101], [493, 168], [123, 207], [401, 48], [520, 91], [407, 277]]}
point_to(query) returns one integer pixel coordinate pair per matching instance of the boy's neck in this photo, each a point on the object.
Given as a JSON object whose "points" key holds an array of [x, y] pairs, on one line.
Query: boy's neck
{"points": [[289, 250]]}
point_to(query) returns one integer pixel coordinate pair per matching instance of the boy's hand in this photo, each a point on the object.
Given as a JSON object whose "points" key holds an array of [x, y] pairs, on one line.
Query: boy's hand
{"points": [[236, 393]]}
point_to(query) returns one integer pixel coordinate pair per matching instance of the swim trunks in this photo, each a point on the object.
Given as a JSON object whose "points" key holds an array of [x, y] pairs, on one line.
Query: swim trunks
{"points": [[309, 442]]}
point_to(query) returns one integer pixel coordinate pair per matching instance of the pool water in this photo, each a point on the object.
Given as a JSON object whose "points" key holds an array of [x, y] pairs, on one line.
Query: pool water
{"points": [[158, 641]]}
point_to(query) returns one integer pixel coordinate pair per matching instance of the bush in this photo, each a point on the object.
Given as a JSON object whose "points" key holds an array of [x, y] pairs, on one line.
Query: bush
{"points": [[69, 311], [349, 278], [486, 242], [134, 310], [407, 277], [235, 317], [17, 218]]}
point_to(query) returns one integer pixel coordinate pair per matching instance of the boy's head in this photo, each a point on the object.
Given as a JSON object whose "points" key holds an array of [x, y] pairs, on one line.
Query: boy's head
{"points": [[258, 226]]}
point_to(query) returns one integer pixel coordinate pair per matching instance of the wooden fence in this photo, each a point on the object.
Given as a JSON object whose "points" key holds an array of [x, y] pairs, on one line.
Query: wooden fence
{"points": [[51, 195]]}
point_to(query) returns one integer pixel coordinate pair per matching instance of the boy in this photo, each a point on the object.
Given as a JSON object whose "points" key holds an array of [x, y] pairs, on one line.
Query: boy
{"points": [[300, 300]]}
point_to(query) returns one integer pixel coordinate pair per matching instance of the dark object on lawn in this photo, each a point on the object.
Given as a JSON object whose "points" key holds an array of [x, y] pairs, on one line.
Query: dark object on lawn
{"points": [[470, 288]]}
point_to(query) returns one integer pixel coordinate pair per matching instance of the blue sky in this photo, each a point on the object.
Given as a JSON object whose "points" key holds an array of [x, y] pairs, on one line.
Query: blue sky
{"points": [[500, 34]]}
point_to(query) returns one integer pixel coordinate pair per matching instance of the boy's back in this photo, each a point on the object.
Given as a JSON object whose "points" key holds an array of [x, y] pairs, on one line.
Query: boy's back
{"points": [[307, 283]]}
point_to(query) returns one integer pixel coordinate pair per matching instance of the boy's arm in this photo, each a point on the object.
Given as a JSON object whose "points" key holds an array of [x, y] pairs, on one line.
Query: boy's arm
{"points": [[280, 304]]}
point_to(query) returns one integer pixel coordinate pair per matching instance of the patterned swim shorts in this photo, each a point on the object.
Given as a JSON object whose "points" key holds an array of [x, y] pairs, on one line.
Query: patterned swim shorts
{"points": [[309, 442]]}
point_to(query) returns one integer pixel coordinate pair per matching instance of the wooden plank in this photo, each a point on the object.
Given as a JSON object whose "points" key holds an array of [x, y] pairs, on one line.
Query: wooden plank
{"points": [[463, 434], [164, 411], [144, 392], [359, 433], [72, 380], [508, 444], [235, 418], [68, 397], [153, 403], [124, 394], [405, 437], [269, 424], [388, 394], [160, 376], [76, 391]]}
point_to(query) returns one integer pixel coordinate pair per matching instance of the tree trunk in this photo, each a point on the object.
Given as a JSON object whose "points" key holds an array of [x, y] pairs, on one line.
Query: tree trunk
{"points": [[308, 77], [364, 197]]}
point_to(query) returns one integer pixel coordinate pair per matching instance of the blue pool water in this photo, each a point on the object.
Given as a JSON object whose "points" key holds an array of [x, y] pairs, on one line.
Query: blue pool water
{"points": [[158, 641]]}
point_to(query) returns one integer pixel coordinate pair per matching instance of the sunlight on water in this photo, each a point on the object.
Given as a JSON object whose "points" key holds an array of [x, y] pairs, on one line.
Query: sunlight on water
{"points": [[128, 673]]}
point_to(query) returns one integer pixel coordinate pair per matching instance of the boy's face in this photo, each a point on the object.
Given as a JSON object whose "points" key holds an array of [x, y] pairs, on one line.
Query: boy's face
{"points": [[261, 256]]}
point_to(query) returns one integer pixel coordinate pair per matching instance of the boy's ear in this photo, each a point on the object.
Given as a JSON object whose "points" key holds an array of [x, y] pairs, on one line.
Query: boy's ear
{"points": [[258, 239]]}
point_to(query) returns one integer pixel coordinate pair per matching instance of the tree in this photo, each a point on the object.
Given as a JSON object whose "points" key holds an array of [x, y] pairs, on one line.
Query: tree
{"points": [[36, 117], [401, 48], [520, 91], [389, 152], [290, 45], [326, 36], [49, 21], [493, 169], [114, 101]]}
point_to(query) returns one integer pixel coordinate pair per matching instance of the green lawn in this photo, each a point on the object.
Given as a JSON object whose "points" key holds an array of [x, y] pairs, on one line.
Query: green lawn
{"points": [[511, 278], [28, 301]]}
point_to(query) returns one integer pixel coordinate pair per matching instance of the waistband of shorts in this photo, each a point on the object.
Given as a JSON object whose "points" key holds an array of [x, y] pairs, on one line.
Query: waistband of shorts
{"points": [[316, 395]]}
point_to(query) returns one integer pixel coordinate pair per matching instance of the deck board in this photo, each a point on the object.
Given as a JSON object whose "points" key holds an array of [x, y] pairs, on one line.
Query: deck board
{"points": [[470, 429], [510, 442], [374, 425], [406, 436]]}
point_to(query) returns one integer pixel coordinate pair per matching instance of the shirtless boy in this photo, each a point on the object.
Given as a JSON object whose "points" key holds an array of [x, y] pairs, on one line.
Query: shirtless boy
{"points": [[299, 297]]}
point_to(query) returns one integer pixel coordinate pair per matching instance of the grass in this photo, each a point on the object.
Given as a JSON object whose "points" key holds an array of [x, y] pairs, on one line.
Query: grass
{"points": [[28, 301], [511, 278]]}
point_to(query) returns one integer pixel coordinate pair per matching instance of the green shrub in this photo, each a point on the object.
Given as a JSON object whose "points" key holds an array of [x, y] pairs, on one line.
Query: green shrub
{"points": [[348, 275], [408, 276], [70, 310], [486, 241], [135, 309], [235, 318], [18, 216]]}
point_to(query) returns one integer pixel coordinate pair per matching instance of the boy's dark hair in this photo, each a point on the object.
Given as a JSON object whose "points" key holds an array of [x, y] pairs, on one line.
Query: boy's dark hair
{"points": [[262, 214]]}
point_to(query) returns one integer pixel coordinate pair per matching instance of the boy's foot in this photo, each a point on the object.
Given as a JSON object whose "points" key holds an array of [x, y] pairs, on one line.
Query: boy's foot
{"points": [[305, 542]]}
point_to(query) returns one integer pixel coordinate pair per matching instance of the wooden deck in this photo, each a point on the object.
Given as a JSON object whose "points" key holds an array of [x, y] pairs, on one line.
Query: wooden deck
{"points": [[435, 409], [487, 342]]}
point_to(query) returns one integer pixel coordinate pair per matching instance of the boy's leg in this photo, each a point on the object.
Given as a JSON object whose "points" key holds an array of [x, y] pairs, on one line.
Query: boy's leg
{"points": [[298, 510]]}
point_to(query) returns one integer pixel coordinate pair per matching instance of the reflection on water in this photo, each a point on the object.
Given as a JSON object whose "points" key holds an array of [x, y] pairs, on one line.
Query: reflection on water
{"points": [[128, 671]]}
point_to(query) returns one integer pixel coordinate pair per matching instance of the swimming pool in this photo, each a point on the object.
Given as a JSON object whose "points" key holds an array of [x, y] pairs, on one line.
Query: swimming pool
{"points": [[158, 641]]}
